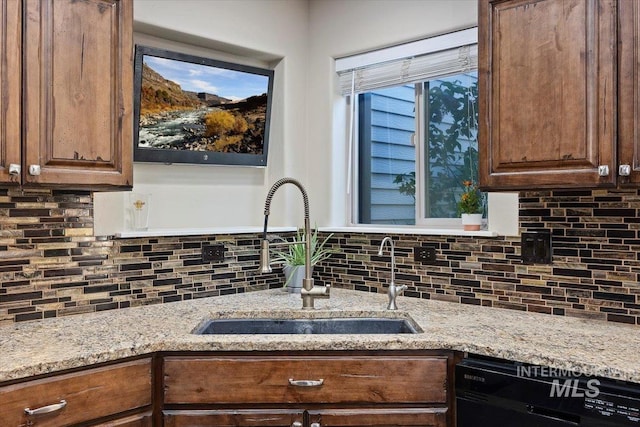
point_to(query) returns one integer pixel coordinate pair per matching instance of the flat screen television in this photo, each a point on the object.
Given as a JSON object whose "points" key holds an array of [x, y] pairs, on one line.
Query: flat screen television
{"points": [[190, 109]]}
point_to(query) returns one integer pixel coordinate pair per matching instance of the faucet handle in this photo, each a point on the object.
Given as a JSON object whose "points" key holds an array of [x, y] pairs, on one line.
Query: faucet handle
{"points": [[317, 291], [327, 291]]}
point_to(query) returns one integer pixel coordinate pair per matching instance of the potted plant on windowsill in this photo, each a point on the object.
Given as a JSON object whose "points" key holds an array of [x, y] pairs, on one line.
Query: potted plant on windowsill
{"points": [[470, 207], [294, 256]]}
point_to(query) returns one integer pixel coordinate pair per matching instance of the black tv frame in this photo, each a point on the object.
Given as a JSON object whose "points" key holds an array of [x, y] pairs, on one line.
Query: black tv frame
{"points": [[169, 156]]}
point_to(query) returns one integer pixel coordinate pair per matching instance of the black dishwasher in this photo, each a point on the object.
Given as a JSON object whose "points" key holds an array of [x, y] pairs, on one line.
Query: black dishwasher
{"points": [[498, 393]]}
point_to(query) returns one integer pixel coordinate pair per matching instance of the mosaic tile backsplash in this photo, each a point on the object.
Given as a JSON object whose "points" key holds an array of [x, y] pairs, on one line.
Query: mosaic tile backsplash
{"points": [[52, 265]]}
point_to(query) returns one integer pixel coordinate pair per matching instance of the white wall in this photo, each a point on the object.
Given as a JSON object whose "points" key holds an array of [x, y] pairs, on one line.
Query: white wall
{"points": [[308, 140], [342, 28], [272, 32]]}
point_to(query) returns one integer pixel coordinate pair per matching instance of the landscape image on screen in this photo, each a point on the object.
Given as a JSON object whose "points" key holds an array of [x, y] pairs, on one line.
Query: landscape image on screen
{"points": [[190, 106]]}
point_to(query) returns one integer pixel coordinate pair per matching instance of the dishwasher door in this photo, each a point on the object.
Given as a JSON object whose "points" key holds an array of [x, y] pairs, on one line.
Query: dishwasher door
{"points": [[495, 393], [472, 413]]}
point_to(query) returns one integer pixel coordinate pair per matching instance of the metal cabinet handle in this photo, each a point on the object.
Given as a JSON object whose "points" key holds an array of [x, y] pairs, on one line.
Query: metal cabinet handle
{"points": [[603, 170], [14, 169], [624, 170], [315, 425], [34, 170], [46, 409], [296, 424], [306, 383]]}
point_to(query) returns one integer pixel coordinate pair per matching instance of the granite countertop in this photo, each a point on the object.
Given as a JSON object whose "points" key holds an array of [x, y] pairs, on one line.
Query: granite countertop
{"points": [[591, 347]]}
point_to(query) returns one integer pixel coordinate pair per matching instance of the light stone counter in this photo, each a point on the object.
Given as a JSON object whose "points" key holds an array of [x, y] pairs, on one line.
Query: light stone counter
{"points": [[601, 348]]}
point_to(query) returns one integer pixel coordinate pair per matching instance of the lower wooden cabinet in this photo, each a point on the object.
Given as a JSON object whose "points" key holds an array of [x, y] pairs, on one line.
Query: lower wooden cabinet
{"points": [[340, 390], [79, 397], [137, 420], [367, 417], [376, 417], [274, 389], [228, 418]]}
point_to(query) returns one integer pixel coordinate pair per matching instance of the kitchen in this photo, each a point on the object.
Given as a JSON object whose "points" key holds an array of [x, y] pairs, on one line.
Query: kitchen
{"points": [[55, 271]]}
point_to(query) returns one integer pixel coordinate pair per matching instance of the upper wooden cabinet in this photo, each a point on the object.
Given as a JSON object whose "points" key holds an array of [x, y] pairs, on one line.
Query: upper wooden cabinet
{"points": [[548, 93], [75, 72], [629, 91], [10, 89]]}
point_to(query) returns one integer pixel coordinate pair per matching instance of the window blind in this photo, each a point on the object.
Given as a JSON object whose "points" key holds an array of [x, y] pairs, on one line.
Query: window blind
{"points": [[408, 70]]}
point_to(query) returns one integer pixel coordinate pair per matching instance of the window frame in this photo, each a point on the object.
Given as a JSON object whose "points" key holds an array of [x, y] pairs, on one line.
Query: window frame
{"points": [[360, 164]]}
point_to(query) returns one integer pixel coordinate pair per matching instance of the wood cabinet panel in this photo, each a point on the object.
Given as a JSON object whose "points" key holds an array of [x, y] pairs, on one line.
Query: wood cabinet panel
{"points": [[137, 420], [407, 380], [235, 418], [629, 90], [78, 92], [368, 417], [90, 394], [547, 91], [10, 84]]}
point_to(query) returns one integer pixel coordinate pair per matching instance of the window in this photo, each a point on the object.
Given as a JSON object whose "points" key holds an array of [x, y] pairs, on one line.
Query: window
{"points": [[415, 135]]}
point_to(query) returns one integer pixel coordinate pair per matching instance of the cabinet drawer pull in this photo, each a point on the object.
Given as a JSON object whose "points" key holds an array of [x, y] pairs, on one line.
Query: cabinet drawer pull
{"points": [[306, 383], [46, 409]]}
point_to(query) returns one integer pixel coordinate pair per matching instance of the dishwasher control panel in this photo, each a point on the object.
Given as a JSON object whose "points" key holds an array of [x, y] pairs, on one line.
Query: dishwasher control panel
{"points": [[614, 407]]}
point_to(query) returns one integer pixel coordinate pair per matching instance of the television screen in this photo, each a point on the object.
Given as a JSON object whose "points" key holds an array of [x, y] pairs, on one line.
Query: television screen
{"points": [[190, 109]]}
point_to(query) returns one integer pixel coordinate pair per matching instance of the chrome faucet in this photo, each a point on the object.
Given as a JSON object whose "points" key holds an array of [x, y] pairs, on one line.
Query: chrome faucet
{"points": [[309, 291], [394, 290]]}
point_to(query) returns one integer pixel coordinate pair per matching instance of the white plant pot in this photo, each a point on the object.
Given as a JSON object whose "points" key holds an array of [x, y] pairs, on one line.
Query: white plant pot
{"points": [[293, 275], [471, 222]]}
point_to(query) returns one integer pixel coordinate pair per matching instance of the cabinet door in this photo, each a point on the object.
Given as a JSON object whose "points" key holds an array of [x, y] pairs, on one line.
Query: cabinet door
{"points": [[137, 420], [10, 81], [547, 112], [629, 92], [78, 62], [78, 397], [234, 418], [423, 417], [276, 380]]}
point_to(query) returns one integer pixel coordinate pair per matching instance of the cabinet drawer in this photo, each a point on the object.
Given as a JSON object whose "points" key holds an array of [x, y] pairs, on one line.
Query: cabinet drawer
{"points": [[233, 418], [89, 394], [220, 380], [137, 420], [376, 417]]}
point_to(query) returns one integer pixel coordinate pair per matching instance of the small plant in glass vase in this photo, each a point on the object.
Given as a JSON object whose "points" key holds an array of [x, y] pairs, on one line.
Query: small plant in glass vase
{"points": [[293, 258], [470, 206]]}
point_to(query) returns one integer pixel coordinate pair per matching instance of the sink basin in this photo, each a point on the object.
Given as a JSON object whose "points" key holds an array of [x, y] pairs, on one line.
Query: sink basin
{"points": [[342, 325]]}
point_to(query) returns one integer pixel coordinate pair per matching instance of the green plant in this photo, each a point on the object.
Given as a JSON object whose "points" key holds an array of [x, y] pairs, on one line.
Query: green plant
{"points": [[471, 199], [453, 123], [295, 253], [407, 183]]}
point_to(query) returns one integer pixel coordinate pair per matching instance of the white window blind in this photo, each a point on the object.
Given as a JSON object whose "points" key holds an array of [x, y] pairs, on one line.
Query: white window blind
{"points": [[438, 61]]}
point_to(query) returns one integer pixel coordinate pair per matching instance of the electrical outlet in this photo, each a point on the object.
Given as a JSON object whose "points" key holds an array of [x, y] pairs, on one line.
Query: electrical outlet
{"points": [[212, 253], [424, 254], [536, 248]]}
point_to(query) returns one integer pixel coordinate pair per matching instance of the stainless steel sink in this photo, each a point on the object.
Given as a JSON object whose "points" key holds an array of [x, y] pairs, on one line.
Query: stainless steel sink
{"points": [[342, 325]]}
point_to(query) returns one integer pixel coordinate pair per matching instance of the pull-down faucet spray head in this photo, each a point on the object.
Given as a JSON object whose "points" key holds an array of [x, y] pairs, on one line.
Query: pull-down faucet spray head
{"points": [[265, 259]]}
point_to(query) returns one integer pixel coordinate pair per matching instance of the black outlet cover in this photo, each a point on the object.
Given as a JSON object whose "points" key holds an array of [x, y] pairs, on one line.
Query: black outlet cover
{"points": [[535, 247], [212, 253], [424, 254]]}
